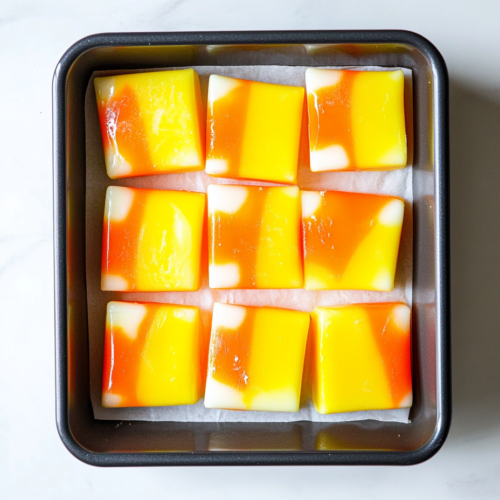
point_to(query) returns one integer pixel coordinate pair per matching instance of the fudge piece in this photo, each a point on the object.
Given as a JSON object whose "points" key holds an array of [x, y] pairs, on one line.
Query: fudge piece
{"points": [[256, 358], [356, 119], [254, 235], [253, 130], [360, 357], [151, 355], [151, 123], [151, 240], [351, 240]]}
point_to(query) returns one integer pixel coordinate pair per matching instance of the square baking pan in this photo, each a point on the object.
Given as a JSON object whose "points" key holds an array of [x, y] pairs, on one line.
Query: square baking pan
{"points": [[108, 443]]}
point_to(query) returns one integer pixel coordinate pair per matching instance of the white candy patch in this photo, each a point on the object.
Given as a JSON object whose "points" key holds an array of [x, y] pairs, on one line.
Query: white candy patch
{"points": [[292, 191], [113, 282], [407, 401], [188, 158], [396, 75], [314, 283], [219, 395], [223, 275], [394, 157], [116, 165], [383, 281], [311, 201], [401, 315], [110, 400], [280, 400], [118, 203], [105, 87], [188, 315], [330, 158], [228, 316], [227, 199], [216, 167], [319, 78], [392, 213], [126, 315], [219, 86]]}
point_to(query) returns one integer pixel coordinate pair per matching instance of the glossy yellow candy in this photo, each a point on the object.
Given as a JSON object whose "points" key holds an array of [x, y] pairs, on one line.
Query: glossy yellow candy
{"points": [[151, 123], [151, 240], [356, 119], [152, 355], [351, 240], [253, 130], [256, 358], [254, 235], [360, 357]]}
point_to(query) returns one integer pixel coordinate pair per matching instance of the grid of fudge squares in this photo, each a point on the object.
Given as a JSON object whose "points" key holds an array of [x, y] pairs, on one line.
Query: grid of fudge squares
{"points": [[253, 130], [256, 358], [152, 355], [356, 119], [152, 240], [360, 357], [151, 123], [351, 240]]}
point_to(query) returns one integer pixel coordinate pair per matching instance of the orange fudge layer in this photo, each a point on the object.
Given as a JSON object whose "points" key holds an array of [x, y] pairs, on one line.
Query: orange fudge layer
{"points": [[351, 240], [256, 358], [151, 355], [356, 119], [253, 130], [360, 357], [151, 240], [151, 123], [254, 235]]}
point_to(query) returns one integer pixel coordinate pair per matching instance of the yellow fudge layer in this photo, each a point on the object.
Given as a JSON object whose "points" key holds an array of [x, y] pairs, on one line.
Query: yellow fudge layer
{"points": [[152, 355], [254, 237], [152, 240], [256, 358], [151, 123], [360, 357], [253, 130], [351, 240], [356, 119]]}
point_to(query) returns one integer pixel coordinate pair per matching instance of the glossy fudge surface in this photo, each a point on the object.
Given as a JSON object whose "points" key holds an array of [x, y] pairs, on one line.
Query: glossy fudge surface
{"points": [[356, 119], [351, 240], [256, 358], [151, 240], [360, 357], [151, 123], [151, 355], [253, 130], [254, 237]]}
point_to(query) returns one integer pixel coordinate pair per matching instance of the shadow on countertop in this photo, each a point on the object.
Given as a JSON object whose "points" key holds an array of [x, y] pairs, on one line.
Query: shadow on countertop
{"points": [[475, 261]]}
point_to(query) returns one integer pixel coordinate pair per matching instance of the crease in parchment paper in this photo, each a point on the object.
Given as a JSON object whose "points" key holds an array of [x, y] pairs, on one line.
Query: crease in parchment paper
{"points": [[395, 182]]}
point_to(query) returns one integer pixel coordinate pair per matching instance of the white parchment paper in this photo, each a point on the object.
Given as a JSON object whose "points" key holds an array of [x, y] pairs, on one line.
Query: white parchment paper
{"points": [[396, 182]]}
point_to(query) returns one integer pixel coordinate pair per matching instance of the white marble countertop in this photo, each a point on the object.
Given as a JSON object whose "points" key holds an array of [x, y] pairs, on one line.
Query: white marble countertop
{"points": [[33, 460]]}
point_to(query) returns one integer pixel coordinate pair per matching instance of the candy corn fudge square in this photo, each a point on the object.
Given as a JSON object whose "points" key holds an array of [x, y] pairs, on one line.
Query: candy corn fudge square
{"points": [[151, 240], [152, 355], [360, 357], [254, 237], [253, 130], [256, 358], [151, 123], [356, 119], [351, 240]]}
